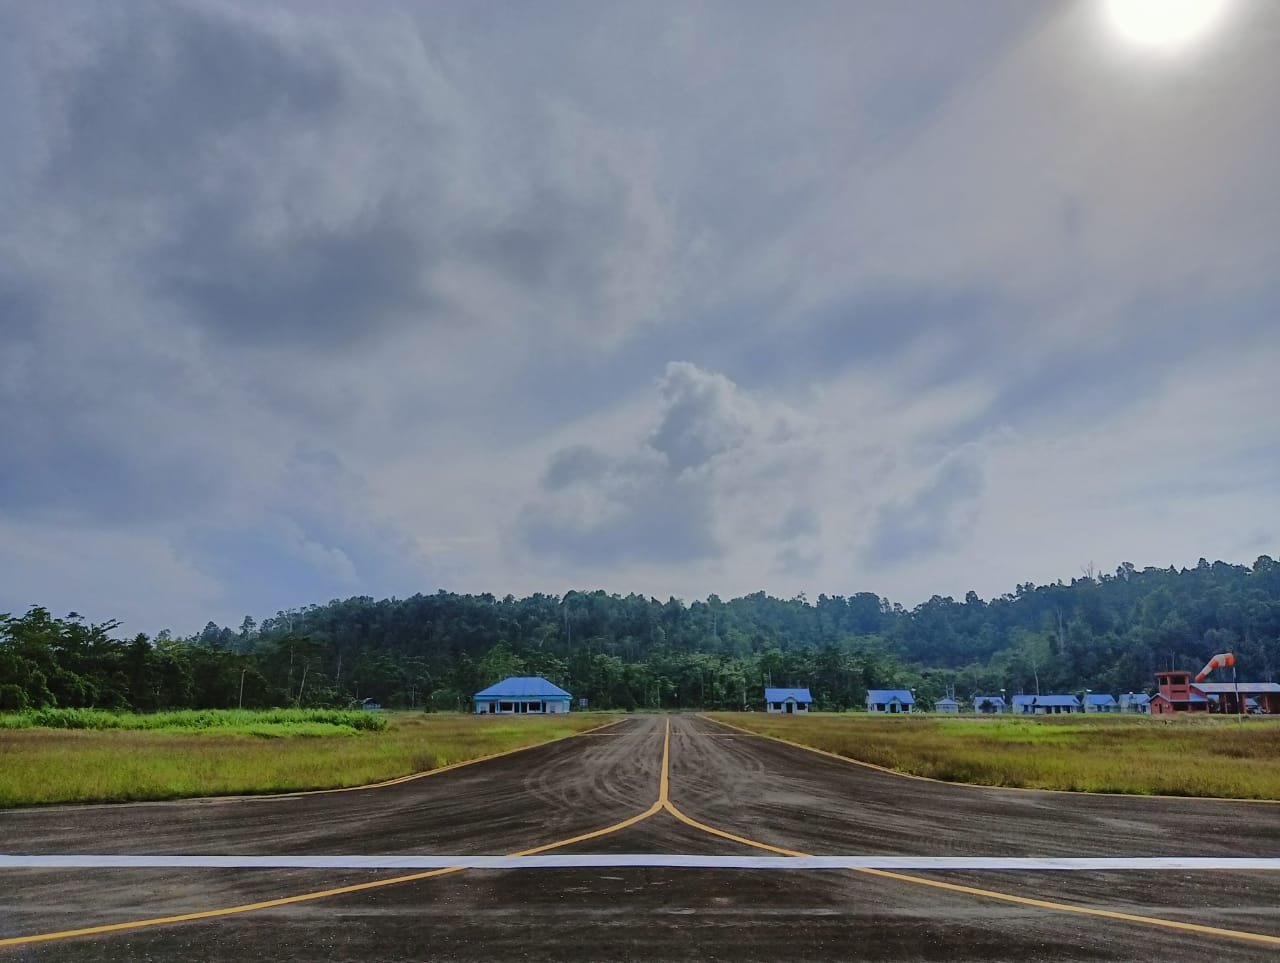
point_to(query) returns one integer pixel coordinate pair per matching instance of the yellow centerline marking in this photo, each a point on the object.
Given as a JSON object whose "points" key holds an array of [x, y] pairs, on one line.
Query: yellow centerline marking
{"points": [[974, 890], [356, 887], [663, 803], [975, 785]]}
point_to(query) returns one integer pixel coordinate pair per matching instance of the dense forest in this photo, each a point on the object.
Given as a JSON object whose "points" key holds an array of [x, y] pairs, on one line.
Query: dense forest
{"points": [[1103, 632]]}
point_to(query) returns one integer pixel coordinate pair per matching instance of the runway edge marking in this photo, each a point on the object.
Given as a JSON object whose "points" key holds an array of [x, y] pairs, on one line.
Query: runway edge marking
{"points": [[1198, 928], [355, 887], [977, 785], [427, 772]]}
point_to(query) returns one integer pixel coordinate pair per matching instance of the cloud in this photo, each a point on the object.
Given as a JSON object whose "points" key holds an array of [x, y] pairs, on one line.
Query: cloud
{"points": [[941, 514], [319, 301]]}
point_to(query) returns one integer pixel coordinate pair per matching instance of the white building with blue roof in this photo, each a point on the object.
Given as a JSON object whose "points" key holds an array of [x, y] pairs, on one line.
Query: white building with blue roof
{"points": [[987, 704], [787, 701], [522, 695], [1100, 702], [1137, 702], [890, 701], [1045, 705]]}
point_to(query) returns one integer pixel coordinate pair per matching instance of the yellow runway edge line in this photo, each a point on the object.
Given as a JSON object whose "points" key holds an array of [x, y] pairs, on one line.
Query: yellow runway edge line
{"points": [[663, 803], [975, 785], [356, 887]]}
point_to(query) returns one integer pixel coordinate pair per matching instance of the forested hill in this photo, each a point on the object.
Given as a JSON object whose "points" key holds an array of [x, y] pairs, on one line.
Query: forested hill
{"points": [[1106, 633]]}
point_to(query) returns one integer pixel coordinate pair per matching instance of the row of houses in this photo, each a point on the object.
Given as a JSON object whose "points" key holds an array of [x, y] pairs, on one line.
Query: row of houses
{"points": [[1053, 704], [522, 695]]}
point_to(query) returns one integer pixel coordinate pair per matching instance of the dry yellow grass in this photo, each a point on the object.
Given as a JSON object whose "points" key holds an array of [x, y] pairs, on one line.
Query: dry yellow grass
{"points": [[54, 765], [1182, 757]]}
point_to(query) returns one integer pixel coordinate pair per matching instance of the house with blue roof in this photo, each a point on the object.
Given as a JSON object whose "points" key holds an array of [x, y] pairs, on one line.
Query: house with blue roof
{"points": [[947, 706], [787, 701], [890, 701], [988, 704], [522, 695], [1100, 702], [1045, 705], [1135, 702]]}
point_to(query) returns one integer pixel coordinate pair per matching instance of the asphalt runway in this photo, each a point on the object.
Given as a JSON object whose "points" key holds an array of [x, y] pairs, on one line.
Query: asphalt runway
{"points": [[658, 789]]}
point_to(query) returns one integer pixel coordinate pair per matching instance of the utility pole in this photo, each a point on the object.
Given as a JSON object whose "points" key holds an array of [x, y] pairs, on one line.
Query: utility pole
{"points": [[241, 703]]}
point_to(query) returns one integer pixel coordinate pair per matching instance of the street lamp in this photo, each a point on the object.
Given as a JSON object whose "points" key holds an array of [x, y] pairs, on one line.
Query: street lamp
{"points": [[1003, 707]]}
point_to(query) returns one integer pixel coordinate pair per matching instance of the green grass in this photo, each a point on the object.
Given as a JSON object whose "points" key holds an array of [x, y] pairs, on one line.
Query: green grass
{"points": [[125, 762], [1182, 757], [269, 722]]}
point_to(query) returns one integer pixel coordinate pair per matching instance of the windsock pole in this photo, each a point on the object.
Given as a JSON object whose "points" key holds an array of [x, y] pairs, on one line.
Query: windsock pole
{"points": [[1239, 705]]}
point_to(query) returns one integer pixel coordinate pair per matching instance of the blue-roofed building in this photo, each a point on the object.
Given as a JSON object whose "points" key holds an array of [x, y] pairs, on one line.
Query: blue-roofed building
{"points": [[1100, 702], [1045, 705], [890, 701], [989, 704], [1023, 705], [788, 701], [947, 706], [521, 695], [1135, 702]]}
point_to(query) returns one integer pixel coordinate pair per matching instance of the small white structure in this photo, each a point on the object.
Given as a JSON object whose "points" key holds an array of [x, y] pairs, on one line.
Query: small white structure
{"points": [[522, 695], [1100, 702], [947, 706], [787, 701], [890, 701]]}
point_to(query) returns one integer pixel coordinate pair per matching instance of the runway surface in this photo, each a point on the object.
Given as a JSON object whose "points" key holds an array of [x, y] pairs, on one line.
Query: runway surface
{"points": [[599, 830]]}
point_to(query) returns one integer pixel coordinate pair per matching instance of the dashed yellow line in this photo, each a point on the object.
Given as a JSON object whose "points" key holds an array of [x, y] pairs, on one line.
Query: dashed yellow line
{"points": [[356, 887]]}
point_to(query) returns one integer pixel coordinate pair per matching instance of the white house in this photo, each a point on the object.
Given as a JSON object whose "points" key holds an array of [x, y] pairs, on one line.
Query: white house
{"points": [[522, 695], [948, 706], [788, 701], [1135, 702], [1045, 705], [988, 704], [890, 701], [1100, 702]]}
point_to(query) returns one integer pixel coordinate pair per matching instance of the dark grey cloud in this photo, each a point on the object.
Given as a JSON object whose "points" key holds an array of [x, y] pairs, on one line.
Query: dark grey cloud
{"points": [[661, 500], [636, 513], [315, 289], [578, 463], [939, 516], [172, 89]]}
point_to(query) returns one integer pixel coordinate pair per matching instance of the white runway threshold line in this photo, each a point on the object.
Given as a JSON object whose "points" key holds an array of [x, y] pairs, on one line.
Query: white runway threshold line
{"points": [[661, 860]]}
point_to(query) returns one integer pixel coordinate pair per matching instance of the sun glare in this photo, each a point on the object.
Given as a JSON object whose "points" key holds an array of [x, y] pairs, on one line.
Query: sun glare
{"points": [[1167, 24]]}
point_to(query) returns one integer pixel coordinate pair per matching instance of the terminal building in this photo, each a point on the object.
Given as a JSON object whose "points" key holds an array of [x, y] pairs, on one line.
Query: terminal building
{"points": [[522, 695]]}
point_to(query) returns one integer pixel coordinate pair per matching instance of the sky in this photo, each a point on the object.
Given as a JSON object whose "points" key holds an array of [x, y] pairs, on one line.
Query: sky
{"points": [[306, 300]]}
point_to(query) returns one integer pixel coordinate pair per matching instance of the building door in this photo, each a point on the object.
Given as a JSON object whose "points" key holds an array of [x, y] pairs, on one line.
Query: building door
{"points": [[791, 707]]}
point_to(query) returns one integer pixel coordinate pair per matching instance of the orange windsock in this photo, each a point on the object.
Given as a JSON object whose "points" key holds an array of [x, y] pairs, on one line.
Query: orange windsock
{"points": [[1220, 661]]}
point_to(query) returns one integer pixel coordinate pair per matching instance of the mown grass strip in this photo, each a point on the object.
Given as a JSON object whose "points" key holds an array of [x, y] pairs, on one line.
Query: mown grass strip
{"points": [[1202, 757], [122, 764]]}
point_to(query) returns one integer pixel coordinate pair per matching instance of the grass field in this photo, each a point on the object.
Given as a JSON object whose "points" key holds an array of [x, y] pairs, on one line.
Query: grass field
{"points": [[1184, 757], [132, 759], [266, 723]]}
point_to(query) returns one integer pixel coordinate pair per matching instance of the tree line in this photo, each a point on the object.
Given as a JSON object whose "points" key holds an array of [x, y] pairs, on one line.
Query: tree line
{"points": [[1105, 632]]}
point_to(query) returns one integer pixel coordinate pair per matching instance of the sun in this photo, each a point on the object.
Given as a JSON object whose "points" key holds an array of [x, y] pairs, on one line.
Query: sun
{"points": [[1166, 24]]}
